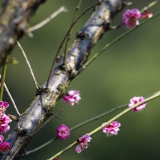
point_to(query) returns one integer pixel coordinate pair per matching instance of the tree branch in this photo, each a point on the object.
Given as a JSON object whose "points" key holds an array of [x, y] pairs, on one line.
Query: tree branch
{"points": [[14, 18], [41, 108]]}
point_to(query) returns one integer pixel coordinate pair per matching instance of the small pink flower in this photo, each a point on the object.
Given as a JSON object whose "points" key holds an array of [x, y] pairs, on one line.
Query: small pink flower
{"points": [[83, 143], [4, 120], [1, 138], [112, 128], [72, 97], [3, 106], [86, 138], [135, 100], [4, 147], [130, 17], [63, 132], [146, 15], [56, 159]]}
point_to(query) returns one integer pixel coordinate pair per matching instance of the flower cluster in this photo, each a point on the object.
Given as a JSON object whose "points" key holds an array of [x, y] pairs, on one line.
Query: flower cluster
{"points": [[112, 128], [83, 143], [4, 119], [4, 146], [72, 97], [4, 126], [135, 100], [131, 17], [63, 132]]}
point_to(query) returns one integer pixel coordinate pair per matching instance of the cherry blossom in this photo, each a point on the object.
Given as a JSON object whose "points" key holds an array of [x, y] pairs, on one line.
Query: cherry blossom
{"points": [[135, 100], [63, 132], [130, 17], [72, 97], [112, 128]]}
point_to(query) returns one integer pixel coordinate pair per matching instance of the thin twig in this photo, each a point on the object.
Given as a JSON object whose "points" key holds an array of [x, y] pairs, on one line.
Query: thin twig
{"points": [[42, 146], [4, 70], [77, 126], [12, 100], [150, 5], [153, 96], [98, 117], [119, 38], [50, 117], [29, 66], [47, 20], [115, 41], [70, 33], [53, 63], [47, 143]]}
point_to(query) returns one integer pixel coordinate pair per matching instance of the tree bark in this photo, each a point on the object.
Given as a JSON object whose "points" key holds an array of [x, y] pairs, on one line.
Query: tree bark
{"points": [[14, 19], [41, 108]]}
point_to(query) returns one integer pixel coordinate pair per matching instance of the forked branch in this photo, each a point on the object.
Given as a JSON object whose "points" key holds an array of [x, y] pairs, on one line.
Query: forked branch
{"points": [[41, 108]]}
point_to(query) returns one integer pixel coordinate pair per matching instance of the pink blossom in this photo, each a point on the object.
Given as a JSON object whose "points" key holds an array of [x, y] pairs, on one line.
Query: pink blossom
{"points": [[85, 138], [83, 143], [146, 15], [130, 17], [1, 138], [112, 128], [72, 97], [63, 132], [4, 120], [4, 147], [56, 159], [3, 106], [135, 100]]}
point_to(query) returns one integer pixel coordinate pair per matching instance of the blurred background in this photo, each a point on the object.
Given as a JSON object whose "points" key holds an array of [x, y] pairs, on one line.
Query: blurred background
{"points": [[129, 68]]}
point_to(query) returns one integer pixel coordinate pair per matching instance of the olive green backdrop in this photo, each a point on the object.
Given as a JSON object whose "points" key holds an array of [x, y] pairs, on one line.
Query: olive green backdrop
{"points": [[129, 68]]}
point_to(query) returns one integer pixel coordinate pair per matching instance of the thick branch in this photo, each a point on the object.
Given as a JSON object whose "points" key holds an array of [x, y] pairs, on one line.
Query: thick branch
{"points": [[14, 19], [40, 110]]}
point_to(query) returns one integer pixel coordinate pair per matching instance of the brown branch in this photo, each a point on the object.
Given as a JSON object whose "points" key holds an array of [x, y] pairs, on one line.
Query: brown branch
{"points": [[41, 108], [14, 18]]}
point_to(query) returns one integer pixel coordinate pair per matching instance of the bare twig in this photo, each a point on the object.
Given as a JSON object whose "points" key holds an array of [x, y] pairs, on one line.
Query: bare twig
{"points": [[70, 33], [150, 5], [115, 41], [4, 70], [53, 63], [29, 66], [41, 107], [47, 143], [47, 20], [76, 127], [14, 18], [153, 96], [12, 100]]}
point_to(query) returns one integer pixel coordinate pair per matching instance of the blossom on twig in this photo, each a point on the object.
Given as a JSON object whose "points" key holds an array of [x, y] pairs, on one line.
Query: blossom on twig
{"points": [[63, 132], [130, 17], [3, 106], [83, 143], [72, 97], [135, 100], [4, 121], [112, 128], [4, 147], [146, 15]]}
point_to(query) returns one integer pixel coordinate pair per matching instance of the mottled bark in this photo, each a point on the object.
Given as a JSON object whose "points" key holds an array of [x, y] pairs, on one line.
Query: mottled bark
{"points": [[14, 19], [41, 108]]}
